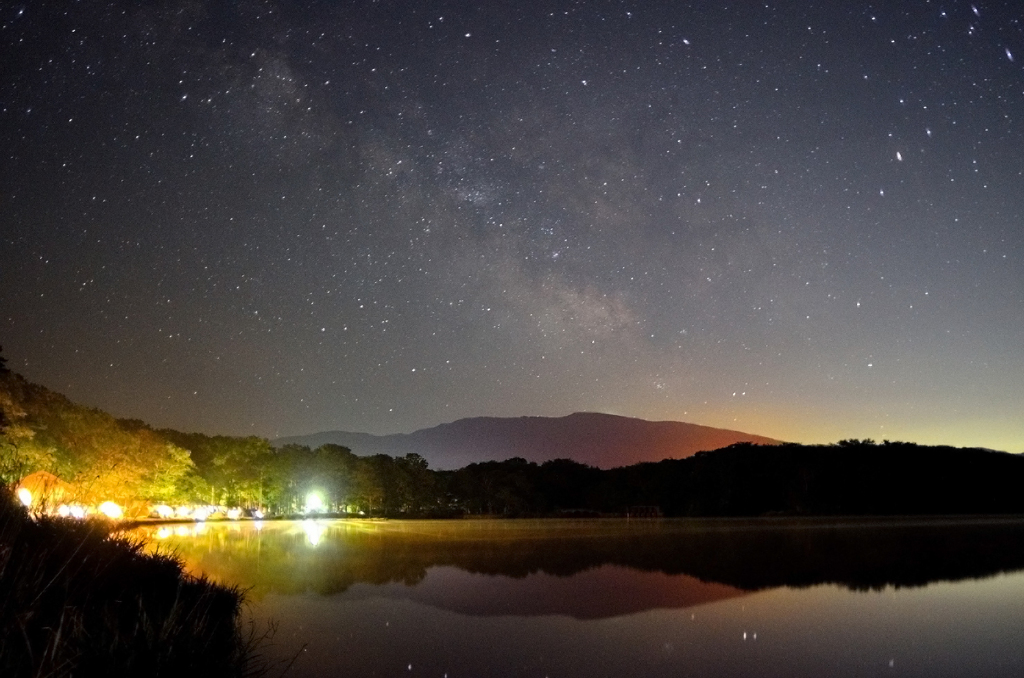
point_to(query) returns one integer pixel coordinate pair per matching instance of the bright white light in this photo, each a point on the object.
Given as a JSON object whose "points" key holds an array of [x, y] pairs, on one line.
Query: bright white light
{"points": [[201, 513], [63, 510], [164, 532], [77, 512], [314, 503], [235, 513], [24, 496], [314, 531], [184, 511], [111, 510], [164, 511], [257, 514]]}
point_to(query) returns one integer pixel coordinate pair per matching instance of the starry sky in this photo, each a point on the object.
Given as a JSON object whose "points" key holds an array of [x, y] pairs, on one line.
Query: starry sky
{"points": [[803, 220]]}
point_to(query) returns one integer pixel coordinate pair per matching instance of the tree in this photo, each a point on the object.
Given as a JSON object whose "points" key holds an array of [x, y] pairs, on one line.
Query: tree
{"points": [[4, 421], [20, 454]]}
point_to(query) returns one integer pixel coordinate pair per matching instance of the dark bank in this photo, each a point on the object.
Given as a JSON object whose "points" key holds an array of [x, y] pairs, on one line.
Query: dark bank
{"points": [[78, 598]]}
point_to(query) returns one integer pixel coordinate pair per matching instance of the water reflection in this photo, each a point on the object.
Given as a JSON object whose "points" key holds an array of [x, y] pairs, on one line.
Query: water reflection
{"points": [[659, 599], [592, 569], [314, 531]]}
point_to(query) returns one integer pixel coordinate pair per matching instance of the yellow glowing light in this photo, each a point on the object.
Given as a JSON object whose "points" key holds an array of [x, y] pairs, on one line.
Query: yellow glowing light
{"points": [[63, 510], [164, 511], [111, 510], [314, 503], [164, 533], [201, 513], [184, 511], [76, 512], [24, 496]]}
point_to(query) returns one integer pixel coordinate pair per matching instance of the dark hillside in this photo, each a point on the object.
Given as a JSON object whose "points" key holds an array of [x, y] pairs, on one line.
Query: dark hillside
{"points": [[852, 478]]}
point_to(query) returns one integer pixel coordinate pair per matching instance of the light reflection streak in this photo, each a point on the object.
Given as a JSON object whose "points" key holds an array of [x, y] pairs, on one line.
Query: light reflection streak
{"points": [[314, 531]]}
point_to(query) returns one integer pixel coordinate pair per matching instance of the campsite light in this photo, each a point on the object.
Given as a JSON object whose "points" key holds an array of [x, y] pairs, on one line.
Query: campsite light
{"points": [[63, 510], [234, 513], [24, 496], [111, 510], [201, 513], [164, 511], [314, 503], [76, 511]]}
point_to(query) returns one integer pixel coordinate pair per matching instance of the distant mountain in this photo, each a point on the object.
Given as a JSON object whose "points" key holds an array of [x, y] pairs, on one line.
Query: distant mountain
{"points": [[601, 440]]}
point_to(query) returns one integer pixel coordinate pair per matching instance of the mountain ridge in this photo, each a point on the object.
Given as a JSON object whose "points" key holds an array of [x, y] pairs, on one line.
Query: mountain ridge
{"points": [[593, 438]]}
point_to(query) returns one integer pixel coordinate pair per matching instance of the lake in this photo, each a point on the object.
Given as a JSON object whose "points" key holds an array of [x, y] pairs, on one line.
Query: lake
{"points": [[574, 598]]}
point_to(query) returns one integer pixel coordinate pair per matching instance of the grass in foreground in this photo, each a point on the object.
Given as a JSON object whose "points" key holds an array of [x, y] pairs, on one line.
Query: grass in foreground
{"points": [[78, 599]]}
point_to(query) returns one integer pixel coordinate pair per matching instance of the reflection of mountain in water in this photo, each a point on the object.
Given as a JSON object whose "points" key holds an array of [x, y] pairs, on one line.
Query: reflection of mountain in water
{"points": [[598, 568], [605, 591]]}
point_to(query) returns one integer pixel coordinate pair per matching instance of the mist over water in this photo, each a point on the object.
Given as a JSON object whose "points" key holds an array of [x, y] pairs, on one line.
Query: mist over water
{"points": [[618, 598]]}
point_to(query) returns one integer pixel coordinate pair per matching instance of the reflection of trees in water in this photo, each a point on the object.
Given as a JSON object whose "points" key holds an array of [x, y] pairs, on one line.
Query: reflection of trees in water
{"points": [[747, 554]]}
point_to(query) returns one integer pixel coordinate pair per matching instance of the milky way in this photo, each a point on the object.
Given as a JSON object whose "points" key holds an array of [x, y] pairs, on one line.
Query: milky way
{"points": [[278, 217]]}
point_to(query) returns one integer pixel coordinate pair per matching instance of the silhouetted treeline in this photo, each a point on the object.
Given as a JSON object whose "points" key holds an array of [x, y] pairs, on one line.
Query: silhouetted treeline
{"points": [[132, 463], [850, 478]]}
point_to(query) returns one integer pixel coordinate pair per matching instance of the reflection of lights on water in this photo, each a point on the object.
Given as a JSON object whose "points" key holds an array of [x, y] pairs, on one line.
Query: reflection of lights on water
{"points": [[24, 496], [314, 531], [258, 525], [182, 531], [110, 510], [164, 532]]}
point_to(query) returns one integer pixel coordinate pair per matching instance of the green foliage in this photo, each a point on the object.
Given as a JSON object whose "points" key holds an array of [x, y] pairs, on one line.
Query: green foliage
{"points": [[231, 470], [103, 459]]}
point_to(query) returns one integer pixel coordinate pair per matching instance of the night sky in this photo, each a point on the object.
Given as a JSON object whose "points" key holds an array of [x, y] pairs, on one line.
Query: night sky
{"points": [[802, 220]]}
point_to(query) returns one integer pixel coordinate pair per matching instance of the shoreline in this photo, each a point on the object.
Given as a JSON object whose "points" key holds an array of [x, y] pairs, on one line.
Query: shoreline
{"points": [[82, 597]]}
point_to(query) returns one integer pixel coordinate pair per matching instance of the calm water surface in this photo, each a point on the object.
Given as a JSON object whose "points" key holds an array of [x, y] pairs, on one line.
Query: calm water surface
{"points": [[615, 598]]}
